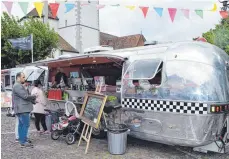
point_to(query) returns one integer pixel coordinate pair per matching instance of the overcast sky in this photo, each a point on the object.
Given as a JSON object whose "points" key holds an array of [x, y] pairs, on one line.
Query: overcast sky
{"points": [[122, 21]]}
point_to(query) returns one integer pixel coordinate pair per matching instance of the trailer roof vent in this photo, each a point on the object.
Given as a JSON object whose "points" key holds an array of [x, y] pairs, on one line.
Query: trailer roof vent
{"points": [[65, 56], [150, 43], [98, 49]]}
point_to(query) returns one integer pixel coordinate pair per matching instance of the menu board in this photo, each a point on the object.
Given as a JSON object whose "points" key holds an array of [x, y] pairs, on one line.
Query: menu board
{"points": [[92, 109], [99, 80], [74, 74]]}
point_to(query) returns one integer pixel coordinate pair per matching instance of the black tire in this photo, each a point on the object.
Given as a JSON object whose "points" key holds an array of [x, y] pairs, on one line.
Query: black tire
{"points": [[70, 138], [55, 135]]}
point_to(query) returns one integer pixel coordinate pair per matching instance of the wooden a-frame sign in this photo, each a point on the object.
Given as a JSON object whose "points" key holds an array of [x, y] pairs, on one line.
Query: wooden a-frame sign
{"points": [[91, 113]]}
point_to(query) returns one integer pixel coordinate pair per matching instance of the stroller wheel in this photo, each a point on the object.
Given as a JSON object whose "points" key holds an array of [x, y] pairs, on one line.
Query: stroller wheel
{"points": [[55, 135], [70, 139]]}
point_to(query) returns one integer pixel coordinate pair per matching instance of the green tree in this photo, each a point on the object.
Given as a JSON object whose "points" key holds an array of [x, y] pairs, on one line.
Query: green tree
{"points": [[45, 40], [219, 36]]}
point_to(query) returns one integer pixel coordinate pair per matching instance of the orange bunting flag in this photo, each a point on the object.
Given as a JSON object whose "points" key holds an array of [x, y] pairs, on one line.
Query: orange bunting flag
{"points": [[144, 10], [54, 8], [172, 13]]}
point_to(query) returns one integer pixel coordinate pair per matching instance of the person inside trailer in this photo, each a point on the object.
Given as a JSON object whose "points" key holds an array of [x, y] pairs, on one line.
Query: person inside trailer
{"points": [[61, 80], [136, 83]]}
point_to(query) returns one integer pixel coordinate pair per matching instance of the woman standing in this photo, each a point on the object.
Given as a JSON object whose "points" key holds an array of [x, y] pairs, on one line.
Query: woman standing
{"points": [[39, 107]]}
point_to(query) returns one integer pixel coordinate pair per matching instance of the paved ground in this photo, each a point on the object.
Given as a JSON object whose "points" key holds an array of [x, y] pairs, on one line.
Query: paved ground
{"points": [[46, 148]]}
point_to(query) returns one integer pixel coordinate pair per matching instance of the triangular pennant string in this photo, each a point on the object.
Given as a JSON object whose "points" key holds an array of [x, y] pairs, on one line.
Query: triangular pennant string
{"points": [[8, 6], [200, 13], [144, 10], [24, 6], [159, 11], [172, 13], [224, 14], [185, 12], [100, 6], [214, 9], [131, 7], [69, 7], [39, 7], [54, 8]]}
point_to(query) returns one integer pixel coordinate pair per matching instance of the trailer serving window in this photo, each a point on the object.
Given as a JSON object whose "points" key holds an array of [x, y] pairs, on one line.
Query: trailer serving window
{"points": [[142, 78], [143, 69]]}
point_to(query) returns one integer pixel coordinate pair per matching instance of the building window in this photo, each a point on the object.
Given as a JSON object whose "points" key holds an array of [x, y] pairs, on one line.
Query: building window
{"points": [[66, 22]]}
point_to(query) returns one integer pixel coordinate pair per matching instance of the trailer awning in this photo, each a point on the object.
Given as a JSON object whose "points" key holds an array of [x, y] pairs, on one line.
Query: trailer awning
{"points": [[5, 71], [79, 60]]}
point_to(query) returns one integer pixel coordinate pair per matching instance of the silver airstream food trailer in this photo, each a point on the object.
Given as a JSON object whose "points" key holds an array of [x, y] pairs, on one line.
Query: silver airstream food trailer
{"points": [[176, 93]]}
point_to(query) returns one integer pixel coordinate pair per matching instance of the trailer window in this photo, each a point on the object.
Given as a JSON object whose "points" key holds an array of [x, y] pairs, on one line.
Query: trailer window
{"points": [[197, 82], [148, 81], [7, 80], [143, 69], [35, 74], [182, 80]]}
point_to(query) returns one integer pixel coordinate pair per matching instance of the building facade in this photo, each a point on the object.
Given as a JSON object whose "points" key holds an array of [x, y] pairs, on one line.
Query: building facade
{"points": [[78, 29]]}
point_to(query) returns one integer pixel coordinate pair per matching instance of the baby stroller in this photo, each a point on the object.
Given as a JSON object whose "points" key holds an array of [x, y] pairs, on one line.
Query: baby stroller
{"points": [[68, 125]]}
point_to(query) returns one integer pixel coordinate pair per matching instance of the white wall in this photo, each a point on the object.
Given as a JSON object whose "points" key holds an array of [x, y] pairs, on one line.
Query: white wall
{"points": [[89, 15], [89, 29], [79, 36], [70, 16], [57, 53], [90, 38], [53, 24], [69, 34]]}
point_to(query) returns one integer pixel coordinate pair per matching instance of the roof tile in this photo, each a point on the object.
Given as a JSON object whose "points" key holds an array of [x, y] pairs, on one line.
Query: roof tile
{"points": [[122, 42], [65, 46]]}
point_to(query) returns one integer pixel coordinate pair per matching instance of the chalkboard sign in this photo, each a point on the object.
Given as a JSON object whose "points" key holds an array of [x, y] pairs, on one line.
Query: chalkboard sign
{"points": [[92, 109]]}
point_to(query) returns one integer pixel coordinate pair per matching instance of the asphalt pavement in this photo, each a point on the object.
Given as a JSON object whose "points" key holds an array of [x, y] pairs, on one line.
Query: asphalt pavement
{"points": [[46, 148]]}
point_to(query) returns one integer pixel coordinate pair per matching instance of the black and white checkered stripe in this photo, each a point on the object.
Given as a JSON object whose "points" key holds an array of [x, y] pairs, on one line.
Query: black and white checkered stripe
{"points": [[165, 106]]}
